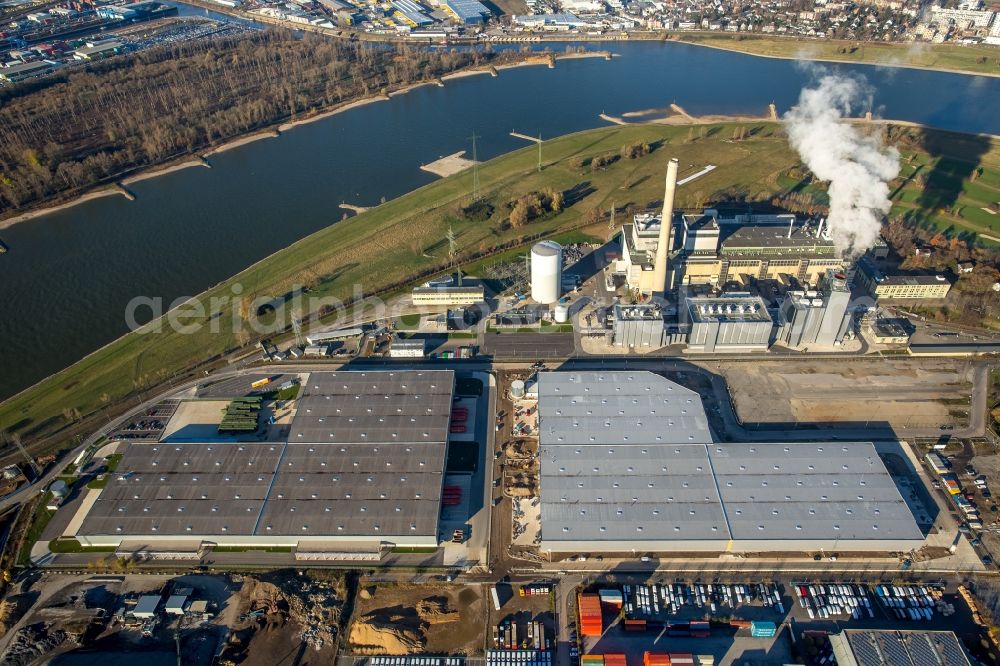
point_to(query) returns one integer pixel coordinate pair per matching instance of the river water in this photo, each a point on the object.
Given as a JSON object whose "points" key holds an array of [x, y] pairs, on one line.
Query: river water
{"points": [[69, 275]]}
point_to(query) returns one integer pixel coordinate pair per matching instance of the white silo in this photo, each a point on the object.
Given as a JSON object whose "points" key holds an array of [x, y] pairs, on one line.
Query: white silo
{"points": [[546, 272], [561, 313], [517, 389]]}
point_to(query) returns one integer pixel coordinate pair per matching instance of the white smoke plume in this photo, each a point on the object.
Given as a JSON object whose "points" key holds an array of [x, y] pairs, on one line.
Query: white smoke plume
{"points": [[857, 166]]}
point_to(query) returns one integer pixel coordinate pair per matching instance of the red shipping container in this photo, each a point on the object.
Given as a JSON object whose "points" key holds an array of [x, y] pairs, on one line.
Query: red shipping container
{"points": [[615, 660], [656, 659]]}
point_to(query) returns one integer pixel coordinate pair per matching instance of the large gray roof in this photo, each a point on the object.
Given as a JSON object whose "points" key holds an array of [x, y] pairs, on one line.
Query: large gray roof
{"points": [[617, 408], [903, 648], [661, 486], [376, 485]]}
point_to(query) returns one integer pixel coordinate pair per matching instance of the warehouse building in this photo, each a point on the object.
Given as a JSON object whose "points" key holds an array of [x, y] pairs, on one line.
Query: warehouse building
{"points": [[467, 12], [638, 326], [735, 322], [863, 647], [628, 464], [362, 469]]}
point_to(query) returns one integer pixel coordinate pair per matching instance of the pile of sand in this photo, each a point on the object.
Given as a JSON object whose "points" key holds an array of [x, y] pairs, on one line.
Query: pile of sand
{"points": [[378, 633], [434, 610]]}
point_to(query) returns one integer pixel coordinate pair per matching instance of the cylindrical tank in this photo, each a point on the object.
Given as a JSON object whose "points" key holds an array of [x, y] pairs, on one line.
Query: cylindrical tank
{"points": [[546, 272], [561, 313], [517, 388], [58, 489]]}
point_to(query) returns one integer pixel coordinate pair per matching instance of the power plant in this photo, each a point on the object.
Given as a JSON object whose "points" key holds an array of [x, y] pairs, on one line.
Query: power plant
{"points": [[665, 244]]}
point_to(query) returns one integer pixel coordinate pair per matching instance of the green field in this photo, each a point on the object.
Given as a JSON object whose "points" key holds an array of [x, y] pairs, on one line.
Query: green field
{"points": [[972, 59], [402, 241]]}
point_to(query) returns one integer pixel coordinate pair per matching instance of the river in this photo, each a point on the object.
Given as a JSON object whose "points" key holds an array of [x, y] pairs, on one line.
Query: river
{"points": [[68, 276]]}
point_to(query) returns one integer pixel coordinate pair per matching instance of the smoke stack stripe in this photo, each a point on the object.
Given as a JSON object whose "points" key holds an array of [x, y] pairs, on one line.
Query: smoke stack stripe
{"points": [[666, 228]]}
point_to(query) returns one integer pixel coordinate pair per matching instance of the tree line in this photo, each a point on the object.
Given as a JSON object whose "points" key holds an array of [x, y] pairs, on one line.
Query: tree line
{"points": [[65, 133]]}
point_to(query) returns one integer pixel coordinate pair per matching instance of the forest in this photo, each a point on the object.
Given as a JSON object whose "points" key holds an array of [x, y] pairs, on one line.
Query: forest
{"points": [[65, 133]]}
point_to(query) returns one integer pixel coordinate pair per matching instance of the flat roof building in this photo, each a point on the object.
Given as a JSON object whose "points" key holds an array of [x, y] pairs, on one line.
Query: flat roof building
{"points": [[146, 607], [903, 287], [363, 466], [448, 295], [628, 463], [863, 647], [734, 322]]}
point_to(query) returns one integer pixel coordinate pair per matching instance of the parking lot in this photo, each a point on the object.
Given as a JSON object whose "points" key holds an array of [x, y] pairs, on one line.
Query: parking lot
{"points": [[668, 606]]}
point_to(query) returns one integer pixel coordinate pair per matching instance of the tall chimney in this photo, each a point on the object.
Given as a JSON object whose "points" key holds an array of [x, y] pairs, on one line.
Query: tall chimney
{"points": [[819, 231], [791, 221], [666, 228]]}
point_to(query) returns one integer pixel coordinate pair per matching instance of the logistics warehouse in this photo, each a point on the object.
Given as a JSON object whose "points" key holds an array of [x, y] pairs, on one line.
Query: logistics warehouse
{"points": [[362, 468], [628, 464]]}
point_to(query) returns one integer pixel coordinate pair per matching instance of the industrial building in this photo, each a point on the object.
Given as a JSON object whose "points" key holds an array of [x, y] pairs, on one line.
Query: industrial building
{"points": [[546, 272], [25, 70], [362, 469], [816, 317], [901, 287], [636, 326], [733, 322], [864, 647], [448, 295], [408, 348], [467, 12], [628, 464], [711, 248], [885, 331], [99, 49]]}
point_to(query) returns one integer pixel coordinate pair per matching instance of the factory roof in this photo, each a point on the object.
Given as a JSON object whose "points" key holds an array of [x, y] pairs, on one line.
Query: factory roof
{"points": [[637, 312], [899, 648], [731, 307], [628, 456], [386, 481], [467, 9], [360, 407], [617, 408], [769, 238], [449, 289]]}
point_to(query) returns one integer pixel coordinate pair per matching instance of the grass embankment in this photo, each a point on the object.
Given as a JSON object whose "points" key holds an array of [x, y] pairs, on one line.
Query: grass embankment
{"points": [[953, 57], [404, 240]]}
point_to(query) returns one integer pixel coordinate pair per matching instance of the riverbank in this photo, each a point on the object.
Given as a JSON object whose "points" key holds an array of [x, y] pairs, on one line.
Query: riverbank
{"points": [[199, 158], [947, 58], [337, 260]]}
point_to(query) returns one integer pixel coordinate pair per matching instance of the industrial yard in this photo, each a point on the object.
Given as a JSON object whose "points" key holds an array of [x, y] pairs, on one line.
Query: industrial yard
{"points": [[403, 619], [902, 394]]}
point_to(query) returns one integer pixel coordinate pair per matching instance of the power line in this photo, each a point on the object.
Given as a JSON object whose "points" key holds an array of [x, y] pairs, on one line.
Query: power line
{"points": [[475, 168]]}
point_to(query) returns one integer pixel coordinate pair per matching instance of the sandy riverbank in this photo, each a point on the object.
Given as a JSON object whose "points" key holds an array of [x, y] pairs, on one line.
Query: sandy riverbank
{"points": [[104, 191], [154, 172], [242, 141]]}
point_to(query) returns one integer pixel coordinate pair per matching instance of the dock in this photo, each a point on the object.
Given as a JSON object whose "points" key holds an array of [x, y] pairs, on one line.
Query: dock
{"points": [[3, 247], [448, 165], [357, 210], [518, 135]]}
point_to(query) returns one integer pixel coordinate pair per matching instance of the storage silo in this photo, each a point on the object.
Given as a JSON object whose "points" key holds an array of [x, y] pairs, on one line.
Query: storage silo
{"points": [[517, 389], [59, 489], [546, 272], [561, 313]]}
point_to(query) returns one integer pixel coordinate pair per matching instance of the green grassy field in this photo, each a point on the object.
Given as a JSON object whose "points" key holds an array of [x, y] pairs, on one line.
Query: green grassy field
{"points": [[971, 59], [403, 240]]}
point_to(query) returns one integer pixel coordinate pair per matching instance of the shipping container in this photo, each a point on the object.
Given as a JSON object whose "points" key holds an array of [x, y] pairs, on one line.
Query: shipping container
{"points": [[656, 659], [591, 621], [635, 625], [615, 660], [763, 629]]}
